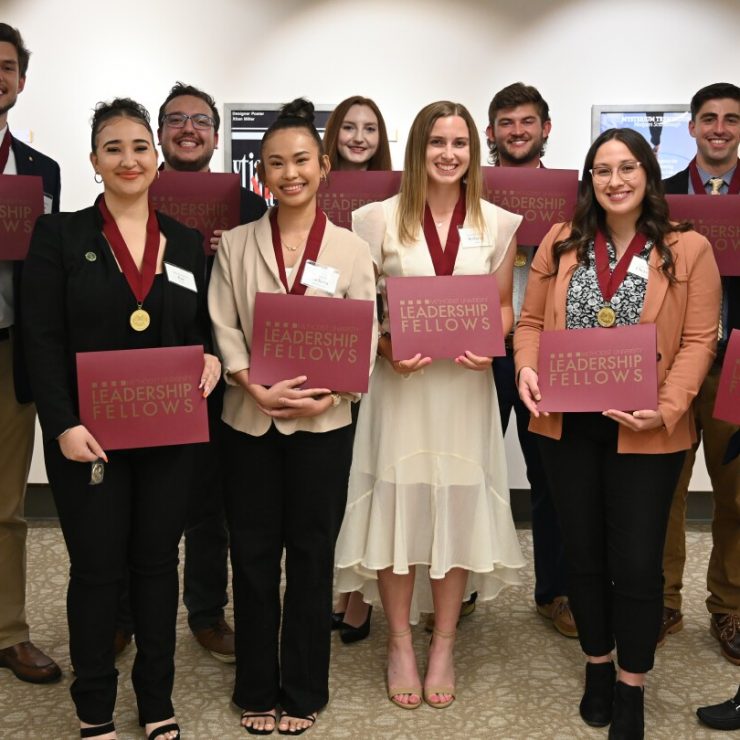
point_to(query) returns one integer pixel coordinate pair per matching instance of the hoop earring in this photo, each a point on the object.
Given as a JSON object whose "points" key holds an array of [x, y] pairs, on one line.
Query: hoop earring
{"points": [[96, 176]]}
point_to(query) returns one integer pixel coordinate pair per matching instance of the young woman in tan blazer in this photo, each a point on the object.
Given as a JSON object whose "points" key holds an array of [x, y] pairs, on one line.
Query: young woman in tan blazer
{"points": [[288, 448], [613, 473]]}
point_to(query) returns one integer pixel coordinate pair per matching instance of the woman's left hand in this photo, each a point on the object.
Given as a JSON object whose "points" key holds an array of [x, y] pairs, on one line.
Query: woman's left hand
{"points": [[638, 421], [474, 362], [210, 375], [295, 408]]}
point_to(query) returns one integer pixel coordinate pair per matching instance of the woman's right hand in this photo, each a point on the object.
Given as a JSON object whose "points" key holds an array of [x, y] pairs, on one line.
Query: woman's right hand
{"points": [[529, 391], [402, 367], [79, 445], [274, 398]]}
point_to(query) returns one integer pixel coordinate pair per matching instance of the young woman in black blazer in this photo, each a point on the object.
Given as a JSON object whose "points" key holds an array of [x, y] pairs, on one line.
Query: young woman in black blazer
{"points": [[77, 298]]}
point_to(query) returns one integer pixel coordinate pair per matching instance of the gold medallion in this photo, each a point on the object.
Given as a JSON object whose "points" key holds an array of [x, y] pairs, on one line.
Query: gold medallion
{"points": [[521, 258], [139, 320], [606, 317], [97, 471]]}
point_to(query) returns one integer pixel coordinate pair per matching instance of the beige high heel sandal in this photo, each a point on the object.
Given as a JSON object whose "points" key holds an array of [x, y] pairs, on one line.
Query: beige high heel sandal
{"points": [[395, 691], [439, 690]]}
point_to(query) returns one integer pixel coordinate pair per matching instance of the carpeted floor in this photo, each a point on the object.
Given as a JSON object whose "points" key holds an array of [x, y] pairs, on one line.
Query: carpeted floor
{"points": [[517, 677]]}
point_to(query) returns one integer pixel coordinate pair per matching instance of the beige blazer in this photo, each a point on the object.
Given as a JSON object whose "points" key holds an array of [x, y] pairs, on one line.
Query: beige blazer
{"points": [[245, 265], [685, 314]]}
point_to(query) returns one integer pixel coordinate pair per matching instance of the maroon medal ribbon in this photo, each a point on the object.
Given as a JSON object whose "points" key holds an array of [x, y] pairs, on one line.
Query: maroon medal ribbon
{"points": [[311, 252], [139, 282], [444, 260], [5, 150], [610, 281], [700, 188]]}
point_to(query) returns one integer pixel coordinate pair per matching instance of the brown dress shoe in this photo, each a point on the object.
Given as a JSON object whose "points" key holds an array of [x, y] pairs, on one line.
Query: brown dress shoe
{"points": [[672, 622], [726, 628], [218, 640], [29, 663], [559, 613]]}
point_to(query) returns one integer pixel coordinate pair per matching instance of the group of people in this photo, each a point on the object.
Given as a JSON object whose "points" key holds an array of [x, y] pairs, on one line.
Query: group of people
{"points": [[407, 504]]}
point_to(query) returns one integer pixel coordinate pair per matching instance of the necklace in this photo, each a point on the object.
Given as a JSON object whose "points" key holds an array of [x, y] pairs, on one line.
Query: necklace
{"points": [[292, 249]]}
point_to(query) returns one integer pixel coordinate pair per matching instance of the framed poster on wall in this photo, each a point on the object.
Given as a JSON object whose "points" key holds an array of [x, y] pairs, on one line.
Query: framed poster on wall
{"points": [[245, 125], [666, 127]]}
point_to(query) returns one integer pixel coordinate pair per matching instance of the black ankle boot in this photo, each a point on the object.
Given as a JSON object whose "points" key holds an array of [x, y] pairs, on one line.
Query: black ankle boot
{"points": [[628, 721], [598, 695]]}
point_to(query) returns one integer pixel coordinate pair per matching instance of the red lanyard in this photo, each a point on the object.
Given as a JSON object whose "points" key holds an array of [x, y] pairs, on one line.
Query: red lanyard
{"points": [[139, 282], [444, 260], [311, 252], [610, 281], [5, 150], [699, 187]]}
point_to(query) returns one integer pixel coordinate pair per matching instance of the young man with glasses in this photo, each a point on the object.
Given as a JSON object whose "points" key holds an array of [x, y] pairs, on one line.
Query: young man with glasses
{"points": [[715, 124], [17, 413], [188, 124]]}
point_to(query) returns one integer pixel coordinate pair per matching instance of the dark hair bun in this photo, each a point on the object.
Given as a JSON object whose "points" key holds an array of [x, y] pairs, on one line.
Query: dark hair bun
{"points": [[298, 108]]}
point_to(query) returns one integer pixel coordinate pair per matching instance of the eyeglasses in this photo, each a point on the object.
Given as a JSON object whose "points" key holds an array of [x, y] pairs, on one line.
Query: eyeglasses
{"points": [[199, 120], [626, 171]]}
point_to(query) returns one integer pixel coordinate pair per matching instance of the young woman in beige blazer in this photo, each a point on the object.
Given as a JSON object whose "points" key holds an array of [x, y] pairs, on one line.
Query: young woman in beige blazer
{"points": [[288, 448]]}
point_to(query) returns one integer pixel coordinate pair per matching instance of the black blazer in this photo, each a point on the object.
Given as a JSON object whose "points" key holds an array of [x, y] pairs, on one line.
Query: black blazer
{"points": [[29, 162], [75, 299], [677, 184]]}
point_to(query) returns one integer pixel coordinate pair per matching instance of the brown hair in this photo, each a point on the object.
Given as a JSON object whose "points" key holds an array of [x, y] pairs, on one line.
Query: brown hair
{"points": [[381, 160], [589, 216], [414, 181]]}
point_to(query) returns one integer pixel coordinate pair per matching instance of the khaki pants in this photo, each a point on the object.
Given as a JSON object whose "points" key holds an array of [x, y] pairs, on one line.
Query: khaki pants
{"points": [[723, 575], [17, 424]]}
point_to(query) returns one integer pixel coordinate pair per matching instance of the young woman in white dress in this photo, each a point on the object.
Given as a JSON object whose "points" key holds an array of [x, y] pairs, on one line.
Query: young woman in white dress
{"points": [[428, 517]]}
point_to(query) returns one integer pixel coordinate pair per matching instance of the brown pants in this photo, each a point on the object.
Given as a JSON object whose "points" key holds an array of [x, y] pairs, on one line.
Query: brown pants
{"points": [[16, 447], [723, 575]]}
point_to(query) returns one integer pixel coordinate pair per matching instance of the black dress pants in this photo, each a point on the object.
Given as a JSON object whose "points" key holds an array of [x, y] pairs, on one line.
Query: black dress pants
{"points": [[284, 491], [128, 526], [613, 511]]}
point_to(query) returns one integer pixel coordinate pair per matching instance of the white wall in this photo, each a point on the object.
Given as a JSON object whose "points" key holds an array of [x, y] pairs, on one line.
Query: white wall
{"points": [[402, 54]]}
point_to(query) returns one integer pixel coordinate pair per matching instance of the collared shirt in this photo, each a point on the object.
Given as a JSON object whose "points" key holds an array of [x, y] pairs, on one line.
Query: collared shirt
{"points": [[7, 314], [705, 177]]}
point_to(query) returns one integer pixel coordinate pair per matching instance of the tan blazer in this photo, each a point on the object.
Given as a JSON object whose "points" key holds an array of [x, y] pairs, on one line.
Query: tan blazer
{"points": [[686, 316], [246, 265]]}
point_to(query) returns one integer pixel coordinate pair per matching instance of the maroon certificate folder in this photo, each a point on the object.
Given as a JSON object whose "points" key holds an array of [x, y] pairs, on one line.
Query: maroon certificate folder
{"points": [[542, 196], [443, 316], [326, 339], [347, 191], [727, 405], [598, 369], [143, 397], [21, 203], [202, 200], [717, 218]]}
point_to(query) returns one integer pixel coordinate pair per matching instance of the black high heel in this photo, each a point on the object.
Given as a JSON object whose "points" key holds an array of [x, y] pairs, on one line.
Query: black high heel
{"points": [[349, 634], [337, 620]]}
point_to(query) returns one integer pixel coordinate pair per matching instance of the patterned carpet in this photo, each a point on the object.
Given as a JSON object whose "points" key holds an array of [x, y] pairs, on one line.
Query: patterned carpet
{"points": [[517, 677]]}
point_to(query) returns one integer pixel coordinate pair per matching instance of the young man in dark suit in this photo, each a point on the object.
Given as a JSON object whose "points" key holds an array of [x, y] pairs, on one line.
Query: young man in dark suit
{"points": [[188, 124], [715, 124], [17, 412]]}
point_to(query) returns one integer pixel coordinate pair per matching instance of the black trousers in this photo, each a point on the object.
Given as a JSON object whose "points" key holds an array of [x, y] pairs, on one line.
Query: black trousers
{"points": [[127, 527], [613, 511], [549, 554], [284, 491]]}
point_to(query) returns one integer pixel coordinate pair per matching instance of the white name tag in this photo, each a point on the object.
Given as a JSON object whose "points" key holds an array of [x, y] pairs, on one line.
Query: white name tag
{"points": [[181, 277], [320, 277], [639, 267], [470, 237], [48, 201]]}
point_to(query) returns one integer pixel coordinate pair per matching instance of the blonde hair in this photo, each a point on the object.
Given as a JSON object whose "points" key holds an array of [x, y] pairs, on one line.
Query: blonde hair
{"points": [[413, 195]]}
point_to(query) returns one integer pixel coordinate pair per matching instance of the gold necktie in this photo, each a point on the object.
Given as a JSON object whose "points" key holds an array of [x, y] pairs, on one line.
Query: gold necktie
{"points": [[716, 183]]}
